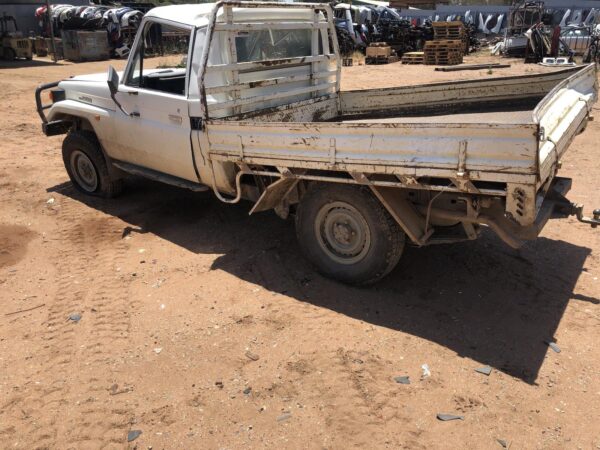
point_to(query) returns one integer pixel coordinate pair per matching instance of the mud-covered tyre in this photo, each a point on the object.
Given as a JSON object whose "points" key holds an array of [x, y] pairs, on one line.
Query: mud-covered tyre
{"points": [[86, 165], [347, 233]]}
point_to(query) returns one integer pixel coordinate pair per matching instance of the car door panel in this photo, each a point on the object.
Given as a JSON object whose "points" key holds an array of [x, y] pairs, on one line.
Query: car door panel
{"points": [[155, 131], [156, 134]]}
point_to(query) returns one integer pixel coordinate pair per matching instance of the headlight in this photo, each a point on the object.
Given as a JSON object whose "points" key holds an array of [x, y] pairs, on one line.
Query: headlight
{"points": [[57, 95]]}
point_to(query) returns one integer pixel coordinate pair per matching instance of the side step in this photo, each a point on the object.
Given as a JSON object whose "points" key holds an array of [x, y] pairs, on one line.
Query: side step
{"points": [[159, 176]]}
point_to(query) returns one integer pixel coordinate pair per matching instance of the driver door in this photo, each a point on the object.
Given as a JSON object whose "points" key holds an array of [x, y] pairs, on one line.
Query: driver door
{"points": [[154, 91]]}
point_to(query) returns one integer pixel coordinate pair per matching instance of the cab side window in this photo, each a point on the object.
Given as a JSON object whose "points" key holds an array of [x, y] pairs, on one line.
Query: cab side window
{"points": [[160, 59]]}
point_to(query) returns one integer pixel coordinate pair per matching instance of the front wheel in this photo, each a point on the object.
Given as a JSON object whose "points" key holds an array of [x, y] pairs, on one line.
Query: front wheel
{"points": [[348, 234], [86, 165]]}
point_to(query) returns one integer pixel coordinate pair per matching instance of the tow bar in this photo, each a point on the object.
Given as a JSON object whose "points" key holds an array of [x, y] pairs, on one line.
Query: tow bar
{"points": [[577, 210]]}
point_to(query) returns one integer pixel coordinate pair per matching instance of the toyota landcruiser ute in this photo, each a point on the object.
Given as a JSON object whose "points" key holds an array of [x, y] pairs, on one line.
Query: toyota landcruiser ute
{"points": [[244, 99]]}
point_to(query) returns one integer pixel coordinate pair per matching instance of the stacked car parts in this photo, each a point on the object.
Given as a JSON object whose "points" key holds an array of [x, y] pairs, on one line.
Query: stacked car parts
{"points": [[119, 25]]}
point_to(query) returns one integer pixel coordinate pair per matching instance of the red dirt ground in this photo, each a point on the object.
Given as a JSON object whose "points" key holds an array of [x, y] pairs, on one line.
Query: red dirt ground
{"points": [[179, 293]]}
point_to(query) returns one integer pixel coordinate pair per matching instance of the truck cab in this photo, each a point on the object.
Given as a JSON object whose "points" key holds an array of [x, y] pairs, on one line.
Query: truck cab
{"points": [[154, 118]]}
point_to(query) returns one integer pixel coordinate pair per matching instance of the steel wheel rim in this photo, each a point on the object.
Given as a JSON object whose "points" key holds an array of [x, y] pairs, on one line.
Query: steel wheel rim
{"points": [[342, 233], [84, 171]]}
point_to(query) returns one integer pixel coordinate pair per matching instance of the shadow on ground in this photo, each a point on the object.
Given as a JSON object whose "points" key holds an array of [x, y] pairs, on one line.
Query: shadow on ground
{"points": [[480, 299], [18, 63]]}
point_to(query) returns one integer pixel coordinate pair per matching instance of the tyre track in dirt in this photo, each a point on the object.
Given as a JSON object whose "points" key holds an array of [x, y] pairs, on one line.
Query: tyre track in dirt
{"points": [[365, 402], [72, 405]]}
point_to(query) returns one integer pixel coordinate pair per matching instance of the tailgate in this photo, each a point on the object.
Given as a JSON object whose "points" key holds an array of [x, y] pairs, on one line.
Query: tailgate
{"points": [[561, 115]]}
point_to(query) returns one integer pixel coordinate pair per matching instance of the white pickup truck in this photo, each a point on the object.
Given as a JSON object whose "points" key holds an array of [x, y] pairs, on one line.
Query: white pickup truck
{"points": [[243, 98]]}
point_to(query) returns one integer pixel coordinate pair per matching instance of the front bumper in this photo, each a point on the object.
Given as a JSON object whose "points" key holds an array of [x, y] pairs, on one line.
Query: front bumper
{"points": [[38, 99], [54, 127]]}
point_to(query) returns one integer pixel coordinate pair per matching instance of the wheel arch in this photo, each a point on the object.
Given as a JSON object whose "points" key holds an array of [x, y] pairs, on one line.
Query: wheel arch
{"points": [[87, 145], [78, 122], [83, 122], [83, 116], [394, 200]]}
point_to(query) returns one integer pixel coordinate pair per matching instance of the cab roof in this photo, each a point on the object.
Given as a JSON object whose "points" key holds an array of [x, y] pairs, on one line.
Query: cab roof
{"points": [[198, 15], [195, 15]]}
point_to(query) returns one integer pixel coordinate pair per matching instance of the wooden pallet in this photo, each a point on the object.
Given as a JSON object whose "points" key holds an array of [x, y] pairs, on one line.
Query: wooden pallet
{"points": [[442, 56], [377, 50], [443, 60], [381, 59], [449, 34], [443, 52], [452, 43], [451, 31], [413, 58], [448, 30]]}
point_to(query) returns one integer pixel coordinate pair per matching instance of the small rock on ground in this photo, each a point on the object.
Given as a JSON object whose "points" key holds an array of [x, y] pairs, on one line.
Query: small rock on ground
{"points": [[133, 435]]}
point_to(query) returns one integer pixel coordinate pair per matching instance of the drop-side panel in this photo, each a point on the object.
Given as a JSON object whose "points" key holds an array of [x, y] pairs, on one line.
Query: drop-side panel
{"points": [[499, 91], [500, 148]]}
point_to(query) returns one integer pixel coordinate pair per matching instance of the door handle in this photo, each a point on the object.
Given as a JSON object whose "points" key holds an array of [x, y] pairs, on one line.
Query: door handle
{"points": [[129, 91], [175, 118]]}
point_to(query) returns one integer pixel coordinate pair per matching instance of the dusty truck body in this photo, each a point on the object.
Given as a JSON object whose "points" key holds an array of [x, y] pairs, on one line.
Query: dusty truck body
{"points": [[251, 108]]}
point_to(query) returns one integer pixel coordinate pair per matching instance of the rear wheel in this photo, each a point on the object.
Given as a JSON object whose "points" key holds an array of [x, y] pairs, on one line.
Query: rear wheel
{"points": [[86, 165], [347, 234]]}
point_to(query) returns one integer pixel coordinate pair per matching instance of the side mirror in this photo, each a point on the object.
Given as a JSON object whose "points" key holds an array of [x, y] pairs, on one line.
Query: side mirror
{"points": [[113, 87], [113, 81]]}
